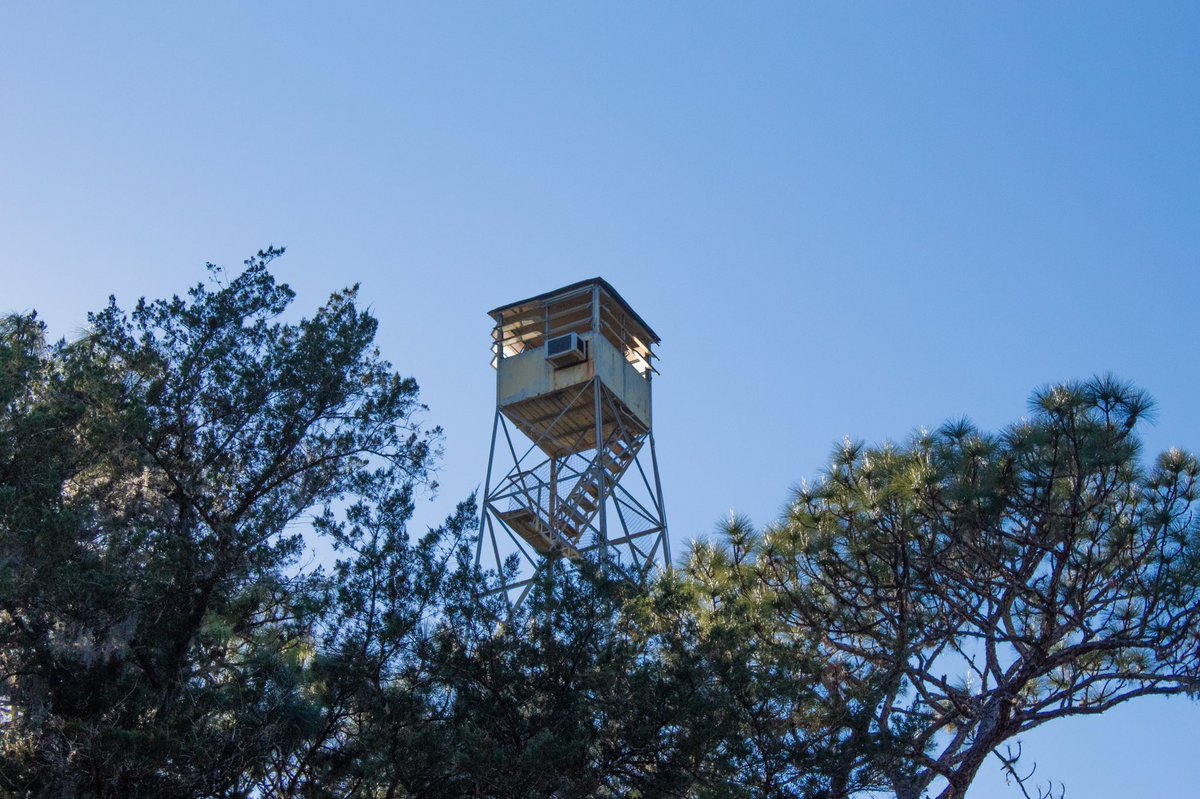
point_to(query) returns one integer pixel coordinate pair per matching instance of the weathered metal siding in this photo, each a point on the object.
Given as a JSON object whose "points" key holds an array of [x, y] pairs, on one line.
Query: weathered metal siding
{"points": [[530, 375]]}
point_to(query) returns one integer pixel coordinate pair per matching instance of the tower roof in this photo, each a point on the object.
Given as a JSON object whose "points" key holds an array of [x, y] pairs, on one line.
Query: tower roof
{"points": [[498, 314]]}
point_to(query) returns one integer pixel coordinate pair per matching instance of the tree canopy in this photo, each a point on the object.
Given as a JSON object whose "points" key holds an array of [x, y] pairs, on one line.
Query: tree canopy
{"points": [[168, 629], [963, 588], [156, 618]]}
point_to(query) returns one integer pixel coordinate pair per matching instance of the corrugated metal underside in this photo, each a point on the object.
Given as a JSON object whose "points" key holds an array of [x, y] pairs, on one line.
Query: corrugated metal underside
{"points": [[564, 422]]}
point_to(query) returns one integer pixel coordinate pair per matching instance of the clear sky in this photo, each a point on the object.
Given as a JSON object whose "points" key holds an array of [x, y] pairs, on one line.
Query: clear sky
{"points": [[843, 219]]}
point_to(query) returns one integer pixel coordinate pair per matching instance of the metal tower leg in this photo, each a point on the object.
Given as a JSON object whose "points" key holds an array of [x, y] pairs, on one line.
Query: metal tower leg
{"points": [[604, 503]]}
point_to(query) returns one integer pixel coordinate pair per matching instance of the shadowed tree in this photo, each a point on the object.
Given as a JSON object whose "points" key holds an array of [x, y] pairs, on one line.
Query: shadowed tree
{"points": [[165, 633], [579, 694], [156, 621], [164, 630]]}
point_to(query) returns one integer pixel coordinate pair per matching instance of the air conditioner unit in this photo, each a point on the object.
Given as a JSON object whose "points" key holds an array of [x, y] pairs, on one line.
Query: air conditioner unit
{"points": [[566, 350]]}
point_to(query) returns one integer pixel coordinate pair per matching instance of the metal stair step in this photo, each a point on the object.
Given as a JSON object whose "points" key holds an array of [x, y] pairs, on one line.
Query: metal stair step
{"points": [[534, 531]]}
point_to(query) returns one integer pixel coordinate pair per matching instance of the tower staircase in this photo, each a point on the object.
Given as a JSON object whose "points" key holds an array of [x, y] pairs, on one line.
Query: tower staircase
{"points": [[552, 513]]}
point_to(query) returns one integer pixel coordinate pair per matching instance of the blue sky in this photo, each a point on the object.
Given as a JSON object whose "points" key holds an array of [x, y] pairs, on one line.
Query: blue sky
{"points": [[843, 219]]}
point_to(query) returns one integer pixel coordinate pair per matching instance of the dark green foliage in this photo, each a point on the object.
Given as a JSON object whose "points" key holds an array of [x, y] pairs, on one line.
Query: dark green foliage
{"points": [[576, 684], [155, 622], [164, 630]]}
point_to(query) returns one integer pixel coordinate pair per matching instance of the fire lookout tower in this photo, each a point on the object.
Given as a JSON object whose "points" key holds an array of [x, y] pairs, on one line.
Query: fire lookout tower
{"points": [[572, 437]]}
